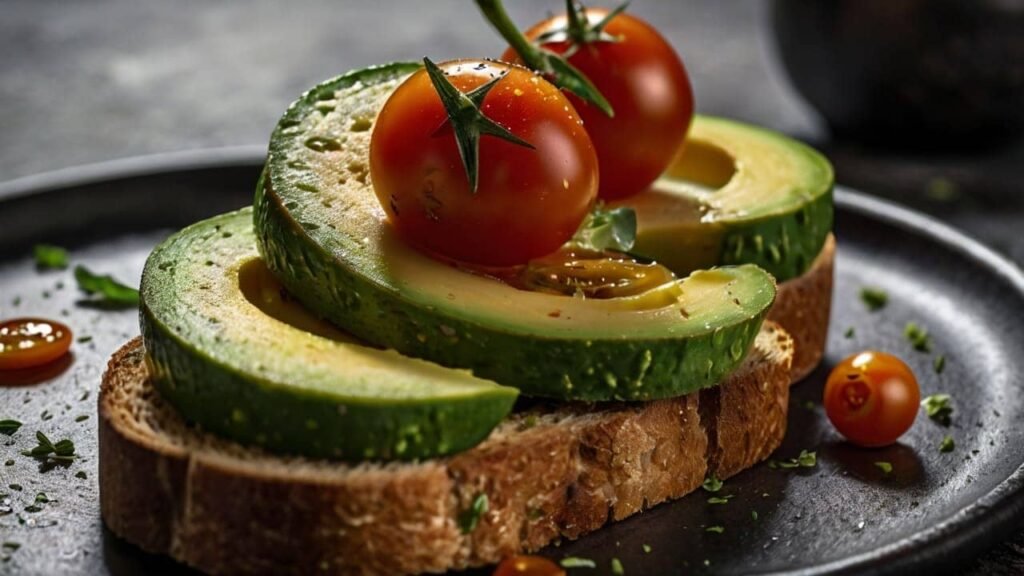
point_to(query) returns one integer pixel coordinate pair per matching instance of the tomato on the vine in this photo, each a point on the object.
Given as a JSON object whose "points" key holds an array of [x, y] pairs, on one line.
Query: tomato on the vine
{"points": [[530, 196], [872, 398], [31, 342], [528, 566], [643, 79]]}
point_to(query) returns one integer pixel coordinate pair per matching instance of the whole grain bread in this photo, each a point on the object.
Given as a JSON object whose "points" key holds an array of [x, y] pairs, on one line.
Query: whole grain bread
{"points": [[549, 472], [803, 306]]}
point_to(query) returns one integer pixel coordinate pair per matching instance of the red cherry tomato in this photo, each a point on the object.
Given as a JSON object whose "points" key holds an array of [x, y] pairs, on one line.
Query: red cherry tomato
{"points": [[644, 80], [31, 342], [872, 398], [528, 566], [528, 202]]}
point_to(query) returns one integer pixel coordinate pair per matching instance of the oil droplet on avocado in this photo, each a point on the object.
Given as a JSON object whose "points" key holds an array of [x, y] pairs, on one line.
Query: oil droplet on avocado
{"points": [[590, 274]]}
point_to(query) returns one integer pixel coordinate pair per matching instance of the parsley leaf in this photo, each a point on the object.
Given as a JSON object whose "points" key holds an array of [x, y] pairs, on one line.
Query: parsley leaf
{"points": [[470, 517], [804, 460], [617, 568], [939, 364], [647, 548], [918, 337], [108, 290], [720, 500], [715, 529], [947, 444], [874, 298], [850, 333], [9, 427], [939, 408], [885, 467], [602, 229], [574, 562], [48, 256], [712, 484]]}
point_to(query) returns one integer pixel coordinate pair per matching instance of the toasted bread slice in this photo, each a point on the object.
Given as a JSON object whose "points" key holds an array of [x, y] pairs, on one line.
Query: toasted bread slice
{"points": [[803, 306], [548, 472]]}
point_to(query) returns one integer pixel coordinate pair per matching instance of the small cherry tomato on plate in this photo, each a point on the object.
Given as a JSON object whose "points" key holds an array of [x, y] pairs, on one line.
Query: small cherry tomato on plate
{"points": [[530, 196], [31, 342], [642, 77], [872, 398], [528, 566]]}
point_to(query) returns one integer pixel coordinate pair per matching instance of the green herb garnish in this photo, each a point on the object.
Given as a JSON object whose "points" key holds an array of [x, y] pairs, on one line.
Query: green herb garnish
{"points": [[574, 562], [602, 229], [42, 498], [82, 418], [470, 517], [84, 339], [715, 529], [849, 333], [804, 460], [874, 298], [939, 364], [720, 500], [617, 567], [9, 426], [108, 290], [467, 120], [63, 451], [647, 548], [48, 257], [885, 467], [947, 444], [753, 515], [938, 407], [918, 337], [81, 474], [712, 484]]}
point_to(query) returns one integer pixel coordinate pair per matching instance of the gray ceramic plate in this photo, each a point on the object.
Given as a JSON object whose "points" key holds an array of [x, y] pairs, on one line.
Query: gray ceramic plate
{"points": [[845, 515]]}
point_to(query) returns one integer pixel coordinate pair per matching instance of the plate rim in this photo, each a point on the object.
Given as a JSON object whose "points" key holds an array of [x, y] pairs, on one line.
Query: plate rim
{"points": [[969, 529]]}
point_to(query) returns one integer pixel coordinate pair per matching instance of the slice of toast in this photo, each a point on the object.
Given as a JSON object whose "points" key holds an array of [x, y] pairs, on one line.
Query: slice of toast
{"points": [[803, 306], [549, 471]]}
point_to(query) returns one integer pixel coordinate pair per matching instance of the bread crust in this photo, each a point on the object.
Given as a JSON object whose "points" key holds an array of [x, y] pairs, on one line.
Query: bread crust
{"points": [[550, 472], [803, 306]]}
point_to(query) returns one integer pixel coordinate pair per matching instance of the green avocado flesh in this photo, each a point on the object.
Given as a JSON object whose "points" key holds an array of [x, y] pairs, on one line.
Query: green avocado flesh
{"points": [[232, 353], [323, 234], [737, 194]]}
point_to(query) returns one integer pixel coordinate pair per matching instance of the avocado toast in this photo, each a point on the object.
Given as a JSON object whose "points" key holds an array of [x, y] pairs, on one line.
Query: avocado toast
{"points": [[231, 420]]}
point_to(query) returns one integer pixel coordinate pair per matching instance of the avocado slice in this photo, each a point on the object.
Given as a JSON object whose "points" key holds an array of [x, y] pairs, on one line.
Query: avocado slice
{"points": [[323, 234], [232, 353], [737, 194]]}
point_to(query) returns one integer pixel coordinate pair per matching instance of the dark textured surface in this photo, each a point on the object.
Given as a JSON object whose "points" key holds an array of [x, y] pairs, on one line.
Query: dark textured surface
{"points": [[935, 508], [101, 79]]}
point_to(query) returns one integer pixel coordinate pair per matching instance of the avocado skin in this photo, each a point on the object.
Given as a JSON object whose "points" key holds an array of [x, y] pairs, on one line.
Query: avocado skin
{"points": [[222, 391], [616, 368]]}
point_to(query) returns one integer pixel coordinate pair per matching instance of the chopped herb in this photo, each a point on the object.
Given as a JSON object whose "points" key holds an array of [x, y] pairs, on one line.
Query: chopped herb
{"points": [[804, 460], [11, 545], [939, 364], [647, 548], [617, 567], [530, 421], [574, 562], [16, 302], [874, 298], [33, 508], [715, 529], [81, 418], [46, 415], [62, 451], [720, 500], [41, 498], [9, 427], [849, 333], [809, 405], [48, 256], [602, 229], [15, 487], [80, 474], [9, 463], [470, 517], [712, 484], [885, 467], [947, 444], [918, 337], [939, 408], [753, 514], [84, 339], [108, 290]]}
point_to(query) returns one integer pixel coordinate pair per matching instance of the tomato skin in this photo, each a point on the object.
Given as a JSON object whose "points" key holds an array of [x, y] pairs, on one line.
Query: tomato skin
{"points": [[872, 398], [528, 566], [646, 83], [528, 202], [31, 342]]}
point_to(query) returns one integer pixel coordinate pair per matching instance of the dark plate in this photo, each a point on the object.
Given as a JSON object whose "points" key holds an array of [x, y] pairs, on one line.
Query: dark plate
{"points": [[934, 510]]}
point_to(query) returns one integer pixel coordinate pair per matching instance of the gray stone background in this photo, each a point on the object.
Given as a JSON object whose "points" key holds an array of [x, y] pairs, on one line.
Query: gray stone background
{"points": [[86, 81]]}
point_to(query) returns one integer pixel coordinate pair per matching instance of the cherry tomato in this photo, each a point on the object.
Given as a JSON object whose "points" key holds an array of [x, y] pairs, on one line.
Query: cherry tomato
{"points": [[644, 80], [528, 566], [528, 201], [872, 398], [31, 342]]}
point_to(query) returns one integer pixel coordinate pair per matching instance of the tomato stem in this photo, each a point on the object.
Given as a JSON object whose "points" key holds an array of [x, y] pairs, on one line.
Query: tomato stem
{"points": [[551, 65]]}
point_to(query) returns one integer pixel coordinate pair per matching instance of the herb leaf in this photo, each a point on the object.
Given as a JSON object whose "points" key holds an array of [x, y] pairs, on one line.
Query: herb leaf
{"points": [[804, 460], [48, 256], [715, 529], [918, 337], [575, 562], [939, 364], [712, 484], [613, 229], [720, 499], [63, 451], [470, 517], [939, 408], [108, 290], [874, 298], [9, 426], [885, 467], [947, 444]]}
